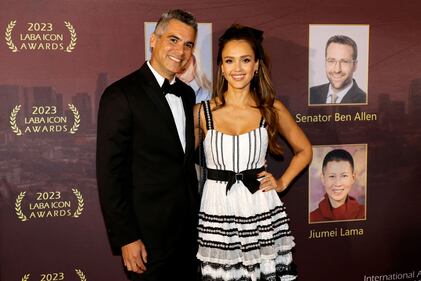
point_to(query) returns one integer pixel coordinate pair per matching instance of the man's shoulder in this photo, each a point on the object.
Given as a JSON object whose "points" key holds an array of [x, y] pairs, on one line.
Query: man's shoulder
{"points": [[186, 90], [355, 95], [318, 94], [125, 86], [131, 78], [319, 88], [183, 85], [358, 90]]}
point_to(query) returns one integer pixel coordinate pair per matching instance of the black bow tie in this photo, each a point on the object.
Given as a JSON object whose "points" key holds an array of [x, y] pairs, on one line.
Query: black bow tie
{"points": [[168, 88]]}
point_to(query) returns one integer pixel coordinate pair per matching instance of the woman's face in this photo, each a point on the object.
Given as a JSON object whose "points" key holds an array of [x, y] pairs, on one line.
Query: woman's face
{"points": [[238, 64], [338, 179]]}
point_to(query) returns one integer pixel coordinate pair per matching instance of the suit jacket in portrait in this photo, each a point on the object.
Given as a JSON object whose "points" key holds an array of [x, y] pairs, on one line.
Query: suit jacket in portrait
{"points": [[318, 94], [147, 184]]}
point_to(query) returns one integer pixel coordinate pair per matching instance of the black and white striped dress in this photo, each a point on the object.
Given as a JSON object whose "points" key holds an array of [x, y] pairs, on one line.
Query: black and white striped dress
{"points": [[242, 236]]}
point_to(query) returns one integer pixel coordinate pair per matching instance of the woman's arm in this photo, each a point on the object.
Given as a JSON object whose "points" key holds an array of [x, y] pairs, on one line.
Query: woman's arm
{"points": [[301, 146], [198, 128]]}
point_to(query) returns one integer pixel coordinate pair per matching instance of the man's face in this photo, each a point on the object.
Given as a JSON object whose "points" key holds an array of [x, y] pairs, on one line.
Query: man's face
{"points": [[339, 65], [172, 49], [337, 179]]}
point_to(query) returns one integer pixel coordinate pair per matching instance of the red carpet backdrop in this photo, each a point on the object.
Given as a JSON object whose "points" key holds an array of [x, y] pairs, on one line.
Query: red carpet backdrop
{"points": [[57, 56]]}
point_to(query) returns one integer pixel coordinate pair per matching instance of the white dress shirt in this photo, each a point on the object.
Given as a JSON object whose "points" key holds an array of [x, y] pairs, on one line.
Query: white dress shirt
{"points": [[176, 106]]}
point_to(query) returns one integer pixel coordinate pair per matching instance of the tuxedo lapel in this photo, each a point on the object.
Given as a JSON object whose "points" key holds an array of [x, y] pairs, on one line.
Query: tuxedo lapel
{"points": [[156, 95], [188, 111]]}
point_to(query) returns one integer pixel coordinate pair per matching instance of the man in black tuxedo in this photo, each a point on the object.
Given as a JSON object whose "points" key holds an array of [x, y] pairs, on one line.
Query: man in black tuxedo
{"points": [[145, 166], [340, 65]]}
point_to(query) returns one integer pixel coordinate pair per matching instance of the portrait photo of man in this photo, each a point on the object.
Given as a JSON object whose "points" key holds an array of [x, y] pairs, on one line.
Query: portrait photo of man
{"points": [[340, 65]]}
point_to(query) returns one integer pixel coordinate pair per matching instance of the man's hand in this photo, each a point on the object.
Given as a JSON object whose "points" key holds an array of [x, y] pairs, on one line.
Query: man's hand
{"points": [[135, 256]]}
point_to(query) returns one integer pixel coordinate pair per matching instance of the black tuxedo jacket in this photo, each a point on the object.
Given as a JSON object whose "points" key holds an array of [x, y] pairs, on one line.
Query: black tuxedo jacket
{"points": [[147, 184], [318, 94]]}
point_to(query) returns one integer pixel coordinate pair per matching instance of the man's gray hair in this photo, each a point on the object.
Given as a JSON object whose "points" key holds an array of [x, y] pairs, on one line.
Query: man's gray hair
{"points": [[183, 16]]}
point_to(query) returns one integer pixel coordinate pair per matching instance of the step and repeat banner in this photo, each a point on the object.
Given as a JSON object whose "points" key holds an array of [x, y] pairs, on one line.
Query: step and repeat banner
{"points": [[57, 57]]}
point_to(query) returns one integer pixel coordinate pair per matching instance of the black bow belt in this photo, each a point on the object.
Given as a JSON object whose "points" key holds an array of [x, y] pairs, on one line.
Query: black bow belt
{"points": [[248, 177]]}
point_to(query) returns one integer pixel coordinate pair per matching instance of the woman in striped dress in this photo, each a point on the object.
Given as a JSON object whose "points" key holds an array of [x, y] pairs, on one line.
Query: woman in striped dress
{"points": [[243, 225]]}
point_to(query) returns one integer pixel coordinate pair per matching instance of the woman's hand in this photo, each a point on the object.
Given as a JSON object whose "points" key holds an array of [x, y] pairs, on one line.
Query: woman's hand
{"points": [[268, 182]]}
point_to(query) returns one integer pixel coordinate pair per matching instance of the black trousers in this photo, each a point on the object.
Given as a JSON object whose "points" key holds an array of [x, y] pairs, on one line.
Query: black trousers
{"points": [[177, 264]]}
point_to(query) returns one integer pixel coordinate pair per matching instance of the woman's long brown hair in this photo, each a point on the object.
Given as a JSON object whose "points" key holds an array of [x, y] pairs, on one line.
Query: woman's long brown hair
{"points": [[261, 88]]}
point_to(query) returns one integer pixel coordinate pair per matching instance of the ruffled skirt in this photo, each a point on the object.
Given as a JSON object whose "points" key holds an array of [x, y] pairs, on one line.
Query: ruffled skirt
{"points": [[243, 236]]}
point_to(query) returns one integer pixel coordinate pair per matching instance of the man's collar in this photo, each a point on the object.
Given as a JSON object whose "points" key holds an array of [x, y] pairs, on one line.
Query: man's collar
{"points": [[340, 95], [159, 78]]}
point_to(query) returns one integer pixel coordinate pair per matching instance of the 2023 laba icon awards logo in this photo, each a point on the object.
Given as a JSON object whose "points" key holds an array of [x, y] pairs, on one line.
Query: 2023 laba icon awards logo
{"points": [[49, 204], [40, 36], [44, 119], [55, 276]]}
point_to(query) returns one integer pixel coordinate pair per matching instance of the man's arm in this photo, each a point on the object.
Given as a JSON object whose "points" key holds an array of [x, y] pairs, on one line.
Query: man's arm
{"points": [[114, 139]]}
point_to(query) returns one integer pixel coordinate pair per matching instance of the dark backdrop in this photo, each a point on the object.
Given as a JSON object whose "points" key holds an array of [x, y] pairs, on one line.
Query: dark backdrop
{"points": [[51, 225]]}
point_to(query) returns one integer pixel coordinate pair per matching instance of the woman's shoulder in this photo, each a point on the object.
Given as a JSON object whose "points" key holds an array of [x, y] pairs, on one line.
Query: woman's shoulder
{"points": [[212, 104], [278, 104], [280, 107]]}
